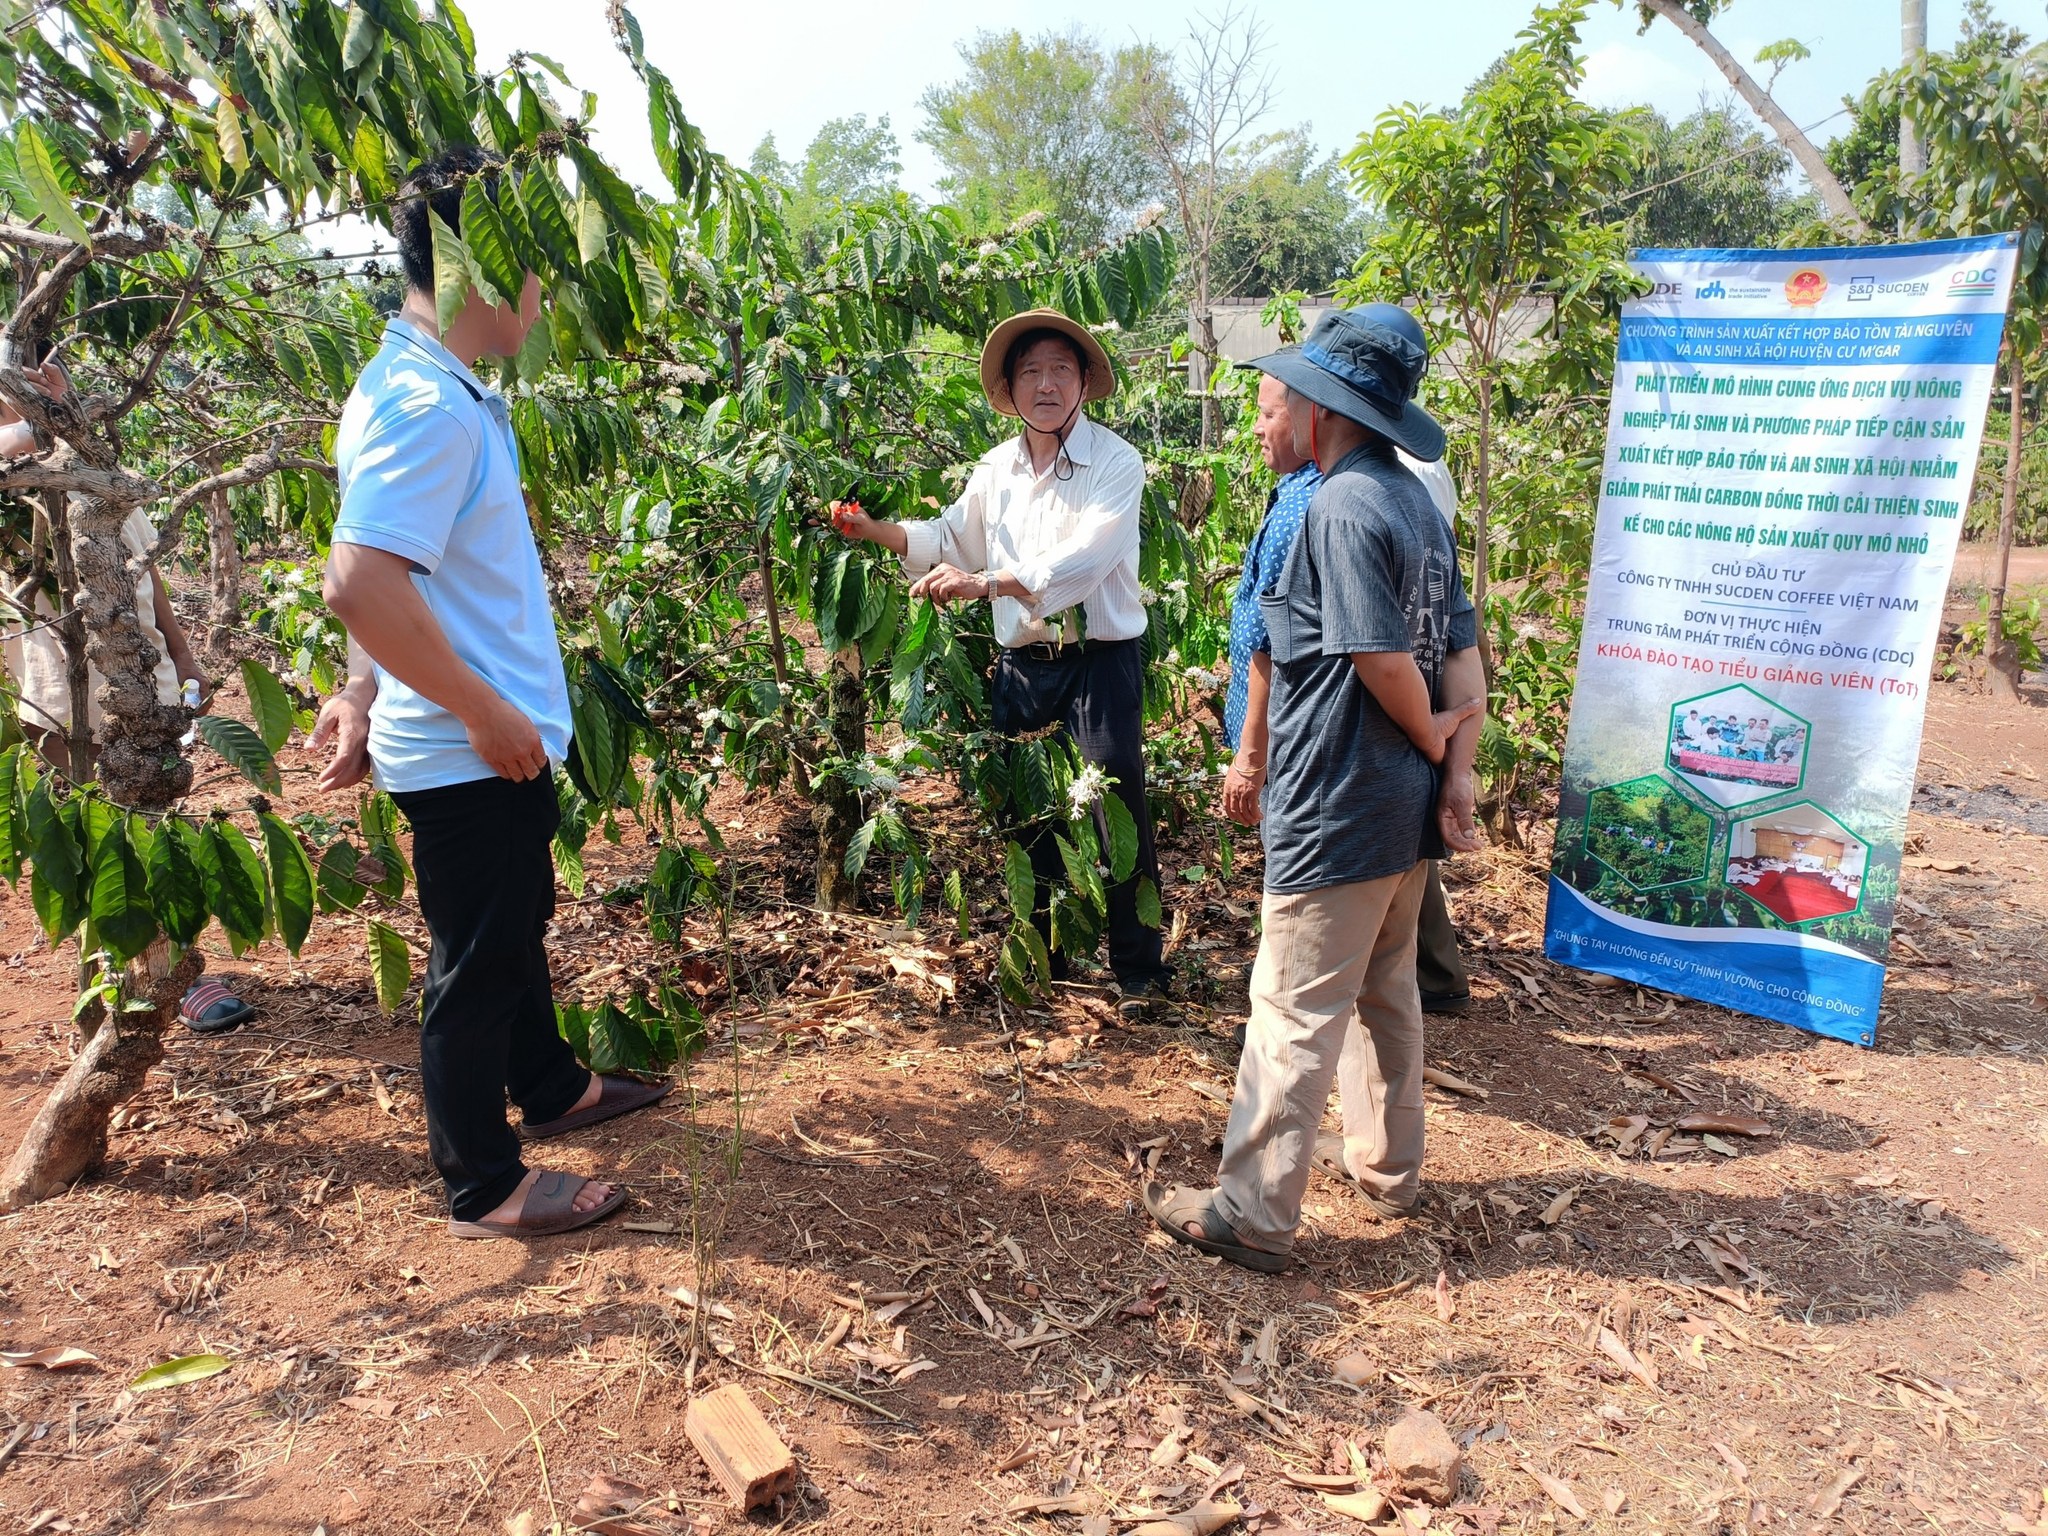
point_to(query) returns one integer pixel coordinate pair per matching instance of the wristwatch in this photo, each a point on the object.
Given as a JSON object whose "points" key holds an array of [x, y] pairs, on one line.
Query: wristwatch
{"points": [[990, 582]]}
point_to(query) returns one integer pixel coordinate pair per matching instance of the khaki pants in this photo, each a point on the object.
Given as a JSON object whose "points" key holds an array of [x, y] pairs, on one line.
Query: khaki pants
{"points": [[1333, 996]]}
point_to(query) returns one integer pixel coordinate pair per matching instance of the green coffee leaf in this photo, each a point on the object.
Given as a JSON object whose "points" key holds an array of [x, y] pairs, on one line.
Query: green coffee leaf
{"points": [[233, 879], [390, 963], [13, 816], [338, 888], [177, 889], [243, 750], [120, 909], [1020, 882], [1148, 903], [269, 703], [180, 1372], [38, 169], [291, 881], [1123, 837], [451, 271]]}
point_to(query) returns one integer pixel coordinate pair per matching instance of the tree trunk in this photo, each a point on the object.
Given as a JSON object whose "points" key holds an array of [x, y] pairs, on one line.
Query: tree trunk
{"points": [[141, 764], [1832, 196], [2001, 656], [836, 811], [1912, 53], [1205, 333], [68, 1138], [1482, 508], [225, 561], [70, 633]]}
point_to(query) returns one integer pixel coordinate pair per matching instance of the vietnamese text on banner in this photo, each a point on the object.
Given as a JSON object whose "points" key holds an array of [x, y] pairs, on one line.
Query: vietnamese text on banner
{"points": [[1790, 451]]}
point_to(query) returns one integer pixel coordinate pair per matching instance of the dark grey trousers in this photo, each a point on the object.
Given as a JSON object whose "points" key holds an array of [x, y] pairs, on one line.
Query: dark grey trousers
{"points": [[1439, 968]]}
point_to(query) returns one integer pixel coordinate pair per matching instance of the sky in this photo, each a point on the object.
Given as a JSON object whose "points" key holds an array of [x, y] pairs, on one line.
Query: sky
{"points": [[786, 66]]}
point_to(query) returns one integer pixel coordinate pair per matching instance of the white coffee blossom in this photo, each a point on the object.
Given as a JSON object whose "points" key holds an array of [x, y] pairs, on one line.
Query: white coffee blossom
{"points": [[1202, 678], [887, 783], [1146, 595], [1178, 587], [898, 750], [1085, 791], [707, 718]]}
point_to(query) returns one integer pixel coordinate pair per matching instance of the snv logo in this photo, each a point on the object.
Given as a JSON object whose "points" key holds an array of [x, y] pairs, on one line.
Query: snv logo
{"points": [[1714, 290], [1973, 280]]}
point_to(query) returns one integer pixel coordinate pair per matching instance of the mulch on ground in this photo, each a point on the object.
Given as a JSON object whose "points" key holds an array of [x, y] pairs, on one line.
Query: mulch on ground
{"points": [[904, 1216]]}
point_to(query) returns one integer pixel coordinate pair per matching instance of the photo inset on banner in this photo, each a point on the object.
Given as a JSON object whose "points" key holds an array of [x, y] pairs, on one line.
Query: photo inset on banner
{"points": [[1798, 863], [1735, 746], [1648, 833]]}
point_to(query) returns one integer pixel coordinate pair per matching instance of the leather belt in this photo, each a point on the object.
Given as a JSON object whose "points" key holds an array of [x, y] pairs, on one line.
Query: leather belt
{"points": [[1046, 650]]}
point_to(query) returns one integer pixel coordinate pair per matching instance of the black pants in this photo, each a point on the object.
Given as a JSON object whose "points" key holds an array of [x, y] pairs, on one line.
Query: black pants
{"points": [[1439, 968], [1097, 695], [487, 890]]}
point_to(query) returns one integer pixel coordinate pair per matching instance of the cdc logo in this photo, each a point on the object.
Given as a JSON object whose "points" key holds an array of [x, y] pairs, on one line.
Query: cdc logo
{"points": [[1973, 280]]}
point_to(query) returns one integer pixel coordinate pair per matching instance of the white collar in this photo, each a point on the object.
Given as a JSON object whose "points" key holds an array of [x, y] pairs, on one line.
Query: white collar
{"points": [[439, 355], [1080, 446]]}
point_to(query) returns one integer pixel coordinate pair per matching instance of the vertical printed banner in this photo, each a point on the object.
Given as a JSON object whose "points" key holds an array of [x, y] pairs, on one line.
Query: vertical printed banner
{"points": [[1790, 450]]}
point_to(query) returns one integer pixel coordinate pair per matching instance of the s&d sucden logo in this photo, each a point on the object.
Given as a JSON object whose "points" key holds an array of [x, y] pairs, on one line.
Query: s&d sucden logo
{"points": [[1862, 289]]}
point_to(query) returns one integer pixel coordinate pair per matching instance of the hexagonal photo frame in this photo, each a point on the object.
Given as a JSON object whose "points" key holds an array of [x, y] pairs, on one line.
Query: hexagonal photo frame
{"points": [[1737, 746], [1798, 863], [1648, 833]]}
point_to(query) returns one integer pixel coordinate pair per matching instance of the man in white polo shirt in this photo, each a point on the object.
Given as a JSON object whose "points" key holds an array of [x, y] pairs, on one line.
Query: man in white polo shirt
{"points": [[436, 575], [1047, 533]]}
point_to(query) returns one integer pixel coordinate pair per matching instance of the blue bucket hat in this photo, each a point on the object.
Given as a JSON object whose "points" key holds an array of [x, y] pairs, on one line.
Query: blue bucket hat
{"points": [[1365, 364]]}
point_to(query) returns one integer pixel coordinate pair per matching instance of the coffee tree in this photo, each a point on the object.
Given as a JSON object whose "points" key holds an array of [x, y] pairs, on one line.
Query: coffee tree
{"points": [[167, 163]]}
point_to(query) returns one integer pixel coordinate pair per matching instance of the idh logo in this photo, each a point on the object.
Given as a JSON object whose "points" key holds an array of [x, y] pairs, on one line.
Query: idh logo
{"points": [[1804, 288], [1714, 290]]}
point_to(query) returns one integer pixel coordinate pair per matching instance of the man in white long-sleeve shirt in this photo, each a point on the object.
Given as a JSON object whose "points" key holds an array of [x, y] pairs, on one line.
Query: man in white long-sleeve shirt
{"points": [[1046, 532]]}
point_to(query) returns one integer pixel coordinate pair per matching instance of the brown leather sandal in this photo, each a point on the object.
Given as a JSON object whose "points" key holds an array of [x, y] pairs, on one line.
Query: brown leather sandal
{"points": [[1328, 1157], [549, 1207], [615, 1096]]}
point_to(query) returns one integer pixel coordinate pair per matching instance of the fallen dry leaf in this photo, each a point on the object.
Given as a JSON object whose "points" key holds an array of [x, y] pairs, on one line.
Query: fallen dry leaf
{"points": [[1450, 1082], [1033, 1504], [1206, 1518], [1553, 1213], [1735, 1463], [1829, 1499], [1369, 1504], [1613, 1348], [1321, 1482], [1726, 1125], [1146, 1302], [1444, 1309], [54, 1357], [527, 1521], [1613, 1500], [1559, 1490], [1354, 1369]]}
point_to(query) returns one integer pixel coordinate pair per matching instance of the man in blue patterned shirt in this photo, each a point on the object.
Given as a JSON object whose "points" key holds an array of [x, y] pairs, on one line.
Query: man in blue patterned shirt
{"points": [[1439, 968]]}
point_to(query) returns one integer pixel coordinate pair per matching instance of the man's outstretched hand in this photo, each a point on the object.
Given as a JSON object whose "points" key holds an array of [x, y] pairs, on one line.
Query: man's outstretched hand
{"points": [[345, 722]]}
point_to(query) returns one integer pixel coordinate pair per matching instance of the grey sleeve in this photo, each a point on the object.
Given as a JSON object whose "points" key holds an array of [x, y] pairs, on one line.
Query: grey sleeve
{"points": [[1360, 601], [1463, 632]]}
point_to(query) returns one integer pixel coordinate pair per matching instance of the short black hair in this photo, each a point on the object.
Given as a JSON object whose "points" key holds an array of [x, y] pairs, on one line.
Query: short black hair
{"points": [[437, 184], [1026, 340]]}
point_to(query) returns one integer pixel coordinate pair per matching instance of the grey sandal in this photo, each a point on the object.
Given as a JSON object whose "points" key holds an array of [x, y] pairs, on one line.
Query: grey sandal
{"points": [[549, 1207], [1174, 1208], [1328, 1157]]}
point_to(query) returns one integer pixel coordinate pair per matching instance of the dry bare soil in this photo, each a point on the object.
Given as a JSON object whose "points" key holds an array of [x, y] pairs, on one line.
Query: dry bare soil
{"points": [[930, 1269]]}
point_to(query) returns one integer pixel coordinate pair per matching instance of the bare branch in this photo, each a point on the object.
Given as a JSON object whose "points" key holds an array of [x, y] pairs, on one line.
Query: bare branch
{"points": [[153, 238], [256, 467]]}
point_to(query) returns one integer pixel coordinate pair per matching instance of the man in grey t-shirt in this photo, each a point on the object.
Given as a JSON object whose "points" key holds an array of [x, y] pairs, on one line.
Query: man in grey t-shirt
{"points": [[1369, 774]]}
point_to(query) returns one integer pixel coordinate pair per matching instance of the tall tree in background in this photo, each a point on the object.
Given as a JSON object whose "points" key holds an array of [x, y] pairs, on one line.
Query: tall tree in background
{"points": [[1712, 179], [1034, 124], [1197, 109], [849, 160], [1291, 224], [1508, 200], [1691, 18], [1868, 150], [1984, 122]]}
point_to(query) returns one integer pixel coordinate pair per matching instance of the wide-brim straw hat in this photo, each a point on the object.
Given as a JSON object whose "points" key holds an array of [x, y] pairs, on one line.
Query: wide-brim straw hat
{"points": [[1101, 381]]}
